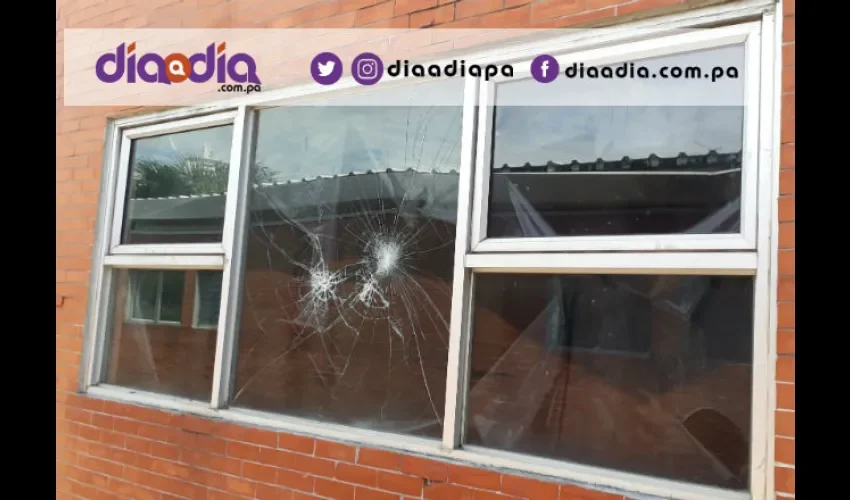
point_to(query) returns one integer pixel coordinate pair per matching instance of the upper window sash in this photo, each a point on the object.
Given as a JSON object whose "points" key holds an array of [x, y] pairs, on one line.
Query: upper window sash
{"points": [[743, 35], [122, 185]]}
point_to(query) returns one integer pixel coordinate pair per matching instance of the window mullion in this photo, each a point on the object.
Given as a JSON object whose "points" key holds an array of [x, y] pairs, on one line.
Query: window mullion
{"points": [[458, 331], [235, 218]]}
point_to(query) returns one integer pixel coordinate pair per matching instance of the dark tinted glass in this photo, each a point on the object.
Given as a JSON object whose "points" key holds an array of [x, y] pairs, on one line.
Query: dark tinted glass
{"points": [[645, 374]]}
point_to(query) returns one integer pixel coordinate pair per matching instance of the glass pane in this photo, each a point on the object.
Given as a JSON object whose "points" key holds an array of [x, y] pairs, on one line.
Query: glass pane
{"points": [[171, 301], [562, 168], [645, 374], [168, 358], [209, 298], [348, 279], [177, 187], [144, 295]]}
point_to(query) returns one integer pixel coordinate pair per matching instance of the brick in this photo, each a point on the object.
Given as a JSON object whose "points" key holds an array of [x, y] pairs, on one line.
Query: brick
{"points": [[785, 315], [576, 20], [301, 444], [361, 493], [529, 488], [474, 477], [469, 8], [446, 491], [335, 451], [599, 4], [333, 489], [489, 495], [314, 466], [356, 474], [784, 480], [787, 156], [379, 459], [644, 6], [374, 13], [400, 483], [787, 263], [295, 480], [785, 423], [785, 396], [786, 288], [429, 469], [510, 18], [788, 130], [788, 79], [244, 451], [548, 9], [785, 342], [258, 472], [789, 54], [787, 182], [432, 17], [211, 462], [266, 492], [785, 369], [408, 6], [784, 451], [247, 434], [397, 22]]}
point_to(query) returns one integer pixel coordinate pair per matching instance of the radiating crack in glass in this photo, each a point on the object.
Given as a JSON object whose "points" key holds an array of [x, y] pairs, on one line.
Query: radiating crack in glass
{"points": [[359, 261]]}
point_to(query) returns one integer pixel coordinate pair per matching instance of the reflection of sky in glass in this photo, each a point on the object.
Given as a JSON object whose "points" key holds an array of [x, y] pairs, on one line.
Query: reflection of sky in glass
{"points": [[537, 123], [346, 134], [537, 134], [213, 142], [298, 142]]}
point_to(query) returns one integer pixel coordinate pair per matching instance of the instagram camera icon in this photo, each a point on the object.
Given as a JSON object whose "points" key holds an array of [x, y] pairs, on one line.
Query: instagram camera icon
{"points": [[367, 68]]}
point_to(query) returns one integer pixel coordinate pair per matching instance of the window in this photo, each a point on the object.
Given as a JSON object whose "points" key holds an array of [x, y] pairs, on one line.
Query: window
{"points": [[207, 299], [349, 261], [552, 288], [155, 297]]}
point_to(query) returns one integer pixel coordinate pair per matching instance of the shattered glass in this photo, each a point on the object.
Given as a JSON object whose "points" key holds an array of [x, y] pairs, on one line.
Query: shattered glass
{"points": [[350, 256]]}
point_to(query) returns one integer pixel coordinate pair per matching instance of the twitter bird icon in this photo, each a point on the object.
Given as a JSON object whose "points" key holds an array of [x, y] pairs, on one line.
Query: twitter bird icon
{"points": [[326, 68]]}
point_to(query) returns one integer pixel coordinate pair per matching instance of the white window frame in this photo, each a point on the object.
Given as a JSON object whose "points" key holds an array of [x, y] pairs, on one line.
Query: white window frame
{"points": [[132, 297], [749, 253]]}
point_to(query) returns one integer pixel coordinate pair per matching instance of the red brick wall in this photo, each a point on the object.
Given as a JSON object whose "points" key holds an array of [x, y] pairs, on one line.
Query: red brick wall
{"points": [[785, 374], [112, 450]]}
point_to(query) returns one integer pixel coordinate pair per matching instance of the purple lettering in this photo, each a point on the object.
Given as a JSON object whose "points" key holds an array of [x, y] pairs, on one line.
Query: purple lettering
{"points": [[159, 76], [250, 76], [208, 58], [131, 68], [117, 59]]}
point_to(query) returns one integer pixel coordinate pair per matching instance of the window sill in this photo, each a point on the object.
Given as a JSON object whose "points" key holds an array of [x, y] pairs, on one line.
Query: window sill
{"points": [[632, 486]]}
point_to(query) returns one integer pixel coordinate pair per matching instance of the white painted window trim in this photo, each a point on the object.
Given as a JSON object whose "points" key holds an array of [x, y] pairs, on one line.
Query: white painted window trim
{"points": [[758, 259]]}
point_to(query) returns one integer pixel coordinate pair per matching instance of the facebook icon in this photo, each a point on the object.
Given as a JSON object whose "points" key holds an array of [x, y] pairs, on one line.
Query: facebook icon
{"points": [[544, 68]]}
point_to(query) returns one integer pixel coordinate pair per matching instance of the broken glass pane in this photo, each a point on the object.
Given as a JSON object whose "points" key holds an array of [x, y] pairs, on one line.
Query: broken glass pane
{"points": [[350, 254]]}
